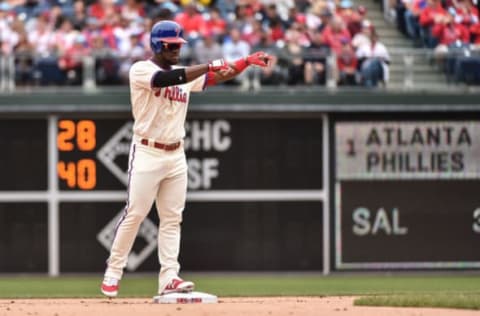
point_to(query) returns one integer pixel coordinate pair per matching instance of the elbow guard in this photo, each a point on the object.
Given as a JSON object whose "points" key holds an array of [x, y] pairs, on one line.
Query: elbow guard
{"points": [[169, 78]]}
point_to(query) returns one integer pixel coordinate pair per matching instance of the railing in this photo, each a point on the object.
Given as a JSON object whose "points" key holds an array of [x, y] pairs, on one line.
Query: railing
{"points": [[427, 69], [7, 73], [409, 69], [89, 82]]}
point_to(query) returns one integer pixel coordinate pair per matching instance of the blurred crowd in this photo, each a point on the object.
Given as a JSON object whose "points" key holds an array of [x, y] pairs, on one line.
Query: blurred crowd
{"points": [[51, 38], [450, 27]]}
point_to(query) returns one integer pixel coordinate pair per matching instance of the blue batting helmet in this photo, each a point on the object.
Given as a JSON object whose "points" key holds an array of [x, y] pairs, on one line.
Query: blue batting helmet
{"points": [[165, 32]]}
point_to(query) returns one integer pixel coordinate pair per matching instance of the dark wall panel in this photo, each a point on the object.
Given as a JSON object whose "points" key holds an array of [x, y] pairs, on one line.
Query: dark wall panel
{"points": [[23, 237], [216, 236]]}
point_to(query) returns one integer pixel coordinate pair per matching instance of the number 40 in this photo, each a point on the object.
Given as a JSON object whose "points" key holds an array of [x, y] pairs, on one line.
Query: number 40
{"points": [[82, 174]]}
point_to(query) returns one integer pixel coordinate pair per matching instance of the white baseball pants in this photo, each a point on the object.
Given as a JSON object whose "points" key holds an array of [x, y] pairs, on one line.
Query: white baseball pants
{"points": [[154, 174]]}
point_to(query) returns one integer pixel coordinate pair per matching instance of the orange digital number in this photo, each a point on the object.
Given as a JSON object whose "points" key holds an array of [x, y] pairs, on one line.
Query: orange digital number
{"points": [[84, 130], [86, 139], [65, 135], [86, 174], [66, 171], [83, 174]]}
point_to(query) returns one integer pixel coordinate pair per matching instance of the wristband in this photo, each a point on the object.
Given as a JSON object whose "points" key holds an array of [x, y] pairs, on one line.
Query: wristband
{"points": [[217, 64]]}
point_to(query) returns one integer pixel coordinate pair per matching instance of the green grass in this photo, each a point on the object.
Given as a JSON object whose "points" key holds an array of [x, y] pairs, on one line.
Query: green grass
{"points": [[457, 291], [445, 300]]}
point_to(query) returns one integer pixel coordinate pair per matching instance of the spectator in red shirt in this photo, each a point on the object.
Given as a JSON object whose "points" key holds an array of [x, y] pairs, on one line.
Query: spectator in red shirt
{"points": [[277, 31], [475, 33], [94, 28], [351, 18], [295, 16], [273, 20], [347, 65], [450, 33], [192, 22], [215, 25], [101, 10], [334, 33], [466, 12], [431, 15], [253, 34], [71, 62], [453, 38]]}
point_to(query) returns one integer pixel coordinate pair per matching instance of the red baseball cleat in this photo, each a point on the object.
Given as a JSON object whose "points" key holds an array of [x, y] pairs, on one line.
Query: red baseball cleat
{"points": [[178, 285], [110, 287]]}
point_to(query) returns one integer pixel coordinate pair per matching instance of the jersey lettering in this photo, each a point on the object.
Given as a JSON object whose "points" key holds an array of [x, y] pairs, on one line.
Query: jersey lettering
{"points": [[175, 94]]}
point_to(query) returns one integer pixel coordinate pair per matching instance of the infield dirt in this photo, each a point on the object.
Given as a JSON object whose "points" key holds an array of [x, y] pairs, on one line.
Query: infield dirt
{"points": [[248, 306]]}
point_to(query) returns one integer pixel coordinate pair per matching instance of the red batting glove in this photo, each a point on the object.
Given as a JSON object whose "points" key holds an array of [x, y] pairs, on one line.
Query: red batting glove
{"points": [[259, 58], [217, 64]]}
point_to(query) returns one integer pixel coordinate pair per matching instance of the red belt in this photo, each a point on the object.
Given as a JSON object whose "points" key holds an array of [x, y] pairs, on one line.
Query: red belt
{"points": [[167, 147]]}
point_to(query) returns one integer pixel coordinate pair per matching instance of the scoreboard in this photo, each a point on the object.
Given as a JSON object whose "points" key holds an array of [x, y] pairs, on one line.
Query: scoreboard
{"points": [[250, 179], [407, 194], [267, 190], [93, 154]]}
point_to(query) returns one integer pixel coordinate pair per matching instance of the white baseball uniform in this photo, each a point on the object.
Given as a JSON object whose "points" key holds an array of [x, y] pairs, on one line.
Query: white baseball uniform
{"points": [[155, 174]]}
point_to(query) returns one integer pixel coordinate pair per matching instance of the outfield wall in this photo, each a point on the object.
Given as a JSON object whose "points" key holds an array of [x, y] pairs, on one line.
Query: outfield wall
{"points": [[274, 185]]}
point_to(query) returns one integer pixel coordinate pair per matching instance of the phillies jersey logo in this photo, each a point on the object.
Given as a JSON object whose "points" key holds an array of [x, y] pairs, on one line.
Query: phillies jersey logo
{"points": [[174, 94]]}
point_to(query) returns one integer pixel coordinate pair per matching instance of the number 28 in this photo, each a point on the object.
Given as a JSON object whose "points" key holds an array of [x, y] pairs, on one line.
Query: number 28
{"points": [[83, 131]]}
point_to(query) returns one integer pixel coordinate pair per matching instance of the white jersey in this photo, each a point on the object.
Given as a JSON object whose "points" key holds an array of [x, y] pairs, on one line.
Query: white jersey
{"points": [[378, 50], [159, 113]]}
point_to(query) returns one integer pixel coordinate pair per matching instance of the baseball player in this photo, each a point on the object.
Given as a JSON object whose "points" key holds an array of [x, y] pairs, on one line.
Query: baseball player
{"points": [[157, 168]]}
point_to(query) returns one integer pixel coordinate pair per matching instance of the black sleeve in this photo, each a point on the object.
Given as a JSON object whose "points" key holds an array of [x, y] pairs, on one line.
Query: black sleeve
{"points": [[169, 78]]}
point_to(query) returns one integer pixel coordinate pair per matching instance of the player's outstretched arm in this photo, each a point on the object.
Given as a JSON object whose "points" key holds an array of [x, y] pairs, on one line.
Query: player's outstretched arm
{"points": [[182, 75], [193, 72], [260, 59], [218, 71]]}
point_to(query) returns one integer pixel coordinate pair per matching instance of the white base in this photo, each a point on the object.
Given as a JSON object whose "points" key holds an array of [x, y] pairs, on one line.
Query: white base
{"points": [[185, 298]]}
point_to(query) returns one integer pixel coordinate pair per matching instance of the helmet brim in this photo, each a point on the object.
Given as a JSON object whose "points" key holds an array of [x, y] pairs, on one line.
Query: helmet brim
{"points": [[177, 40]]}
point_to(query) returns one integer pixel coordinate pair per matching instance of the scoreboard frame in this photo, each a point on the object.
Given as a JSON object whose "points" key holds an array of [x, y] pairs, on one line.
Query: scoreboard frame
{"points": [[57, 191], [368, 246], [327, 114]]}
